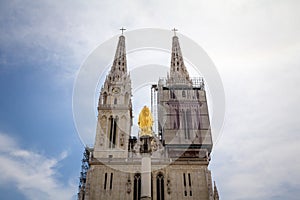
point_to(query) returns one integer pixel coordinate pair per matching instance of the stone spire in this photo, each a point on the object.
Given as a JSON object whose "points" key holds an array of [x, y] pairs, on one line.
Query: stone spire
{"points": [[115, 109], [216, 194], [117, 82], [119, 67], [178, 72]]}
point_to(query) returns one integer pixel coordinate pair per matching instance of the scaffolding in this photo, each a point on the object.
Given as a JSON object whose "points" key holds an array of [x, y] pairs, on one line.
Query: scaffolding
{"points": [[196, 82], [84, 168], [154, 89]]}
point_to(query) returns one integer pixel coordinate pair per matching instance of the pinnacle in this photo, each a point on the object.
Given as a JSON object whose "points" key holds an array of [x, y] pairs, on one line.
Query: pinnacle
{"points": [[119, 67], [178, 70]]}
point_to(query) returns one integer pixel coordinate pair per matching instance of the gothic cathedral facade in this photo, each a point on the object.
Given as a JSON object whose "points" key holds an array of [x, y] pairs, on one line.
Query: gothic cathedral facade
{"points": [[182, 144]]}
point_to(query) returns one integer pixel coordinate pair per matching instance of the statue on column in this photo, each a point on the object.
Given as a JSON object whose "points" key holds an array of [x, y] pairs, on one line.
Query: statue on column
{"points": [[145, 122], [148, 142]]}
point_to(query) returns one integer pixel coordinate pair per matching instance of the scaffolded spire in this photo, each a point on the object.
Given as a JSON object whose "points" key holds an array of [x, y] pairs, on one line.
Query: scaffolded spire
{"points": [[178, 72]]}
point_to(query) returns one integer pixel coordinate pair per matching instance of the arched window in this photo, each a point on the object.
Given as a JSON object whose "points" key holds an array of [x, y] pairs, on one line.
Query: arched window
{"points": [[112, 132], [104, 98], [198, 120], [126, 98], [187, 120], [111, 181], [105, 181], [172, 94], [177, 119], [183, 93], [185, 127], [190, 184], [160, 187], [137, 186], [115, 101], [190, 120], [184, 184]]}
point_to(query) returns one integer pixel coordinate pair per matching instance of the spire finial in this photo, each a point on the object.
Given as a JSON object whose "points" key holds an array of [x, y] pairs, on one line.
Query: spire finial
{"points": [[174, 30], [122, 29]]}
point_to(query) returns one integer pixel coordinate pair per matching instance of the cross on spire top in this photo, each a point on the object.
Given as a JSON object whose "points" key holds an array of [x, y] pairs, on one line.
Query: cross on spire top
{"points": [[122, 29], [174, 30]]}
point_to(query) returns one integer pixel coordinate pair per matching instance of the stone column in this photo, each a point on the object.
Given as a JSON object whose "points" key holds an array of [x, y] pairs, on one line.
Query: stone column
{"points": [[145, 150], [146, 177]]}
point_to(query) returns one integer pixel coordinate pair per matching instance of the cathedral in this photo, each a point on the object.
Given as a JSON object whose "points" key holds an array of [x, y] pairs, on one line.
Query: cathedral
{"points": [[169, 162]]}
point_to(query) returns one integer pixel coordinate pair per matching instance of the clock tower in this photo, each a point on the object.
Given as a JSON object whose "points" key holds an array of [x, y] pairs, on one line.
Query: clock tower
{"points": [[114, 109]]}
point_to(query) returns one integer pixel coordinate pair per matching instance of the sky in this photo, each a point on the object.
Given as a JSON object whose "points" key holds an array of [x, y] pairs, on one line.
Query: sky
{"points": [[254, 45]]}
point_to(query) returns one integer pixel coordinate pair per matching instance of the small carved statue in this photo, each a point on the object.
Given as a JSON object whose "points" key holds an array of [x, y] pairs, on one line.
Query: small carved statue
{"points": [[128, 186], [168, 186]]}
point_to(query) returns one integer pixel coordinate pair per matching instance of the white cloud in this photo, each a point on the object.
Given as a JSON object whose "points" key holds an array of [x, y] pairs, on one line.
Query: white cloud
{"points": [[254, 44], [257, 165], [257, 156], [35, 175]]}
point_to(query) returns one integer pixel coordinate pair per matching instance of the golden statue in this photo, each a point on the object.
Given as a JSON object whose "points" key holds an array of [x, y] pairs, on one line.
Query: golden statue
{"points": [[145, 122]]}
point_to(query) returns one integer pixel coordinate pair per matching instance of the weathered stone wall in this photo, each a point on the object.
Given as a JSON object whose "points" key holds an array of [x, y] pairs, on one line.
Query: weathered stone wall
{"points": [[197, 184]]}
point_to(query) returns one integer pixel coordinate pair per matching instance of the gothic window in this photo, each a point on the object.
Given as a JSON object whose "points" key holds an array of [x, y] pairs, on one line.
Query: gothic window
{"points": [[173, 118], [137, 187], [126, 98], [105, 180], [184, 185], [189, 119], [172, 94], [183, 93], [186, 123], [190, 183], [115, 101], [104, 98], [112, 132], [177, 118], [151, 184], [198, 119], [115, 132], [111, 181], [160, 187]]}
